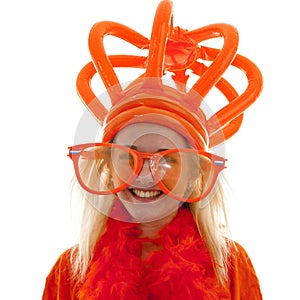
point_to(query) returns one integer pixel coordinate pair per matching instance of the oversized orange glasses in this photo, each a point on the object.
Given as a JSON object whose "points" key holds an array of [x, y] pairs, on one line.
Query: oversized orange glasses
{"points": [[184, 174]]}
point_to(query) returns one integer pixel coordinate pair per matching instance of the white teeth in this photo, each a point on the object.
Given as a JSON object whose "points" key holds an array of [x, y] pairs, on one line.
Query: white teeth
{"points": [[146, 194]]}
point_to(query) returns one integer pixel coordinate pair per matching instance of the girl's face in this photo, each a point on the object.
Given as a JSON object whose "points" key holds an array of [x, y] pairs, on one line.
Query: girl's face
{"points": [[144, 199]]}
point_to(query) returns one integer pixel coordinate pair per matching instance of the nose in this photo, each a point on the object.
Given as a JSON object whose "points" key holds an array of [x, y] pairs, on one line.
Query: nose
{"points": [[145, 178]]}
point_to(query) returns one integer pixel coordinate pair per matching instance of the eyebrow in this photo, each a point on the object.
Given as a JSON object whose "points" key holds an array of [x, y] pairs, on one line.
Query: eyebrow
{"points": [[135, 148], [131, 147], [162, 149]]}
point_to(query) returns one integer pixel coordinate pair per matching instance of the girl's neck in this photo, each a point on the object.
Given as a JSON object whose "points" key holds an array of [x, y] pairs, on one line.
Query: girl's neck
{"points": [[152, 229]]}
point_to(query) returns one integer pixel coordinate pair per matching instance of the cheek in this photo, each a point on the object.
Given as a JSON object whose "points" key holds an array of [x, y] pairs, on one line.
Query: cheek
{"points": [[178, 181], [125, 195], [122, 170], [192, 180]]}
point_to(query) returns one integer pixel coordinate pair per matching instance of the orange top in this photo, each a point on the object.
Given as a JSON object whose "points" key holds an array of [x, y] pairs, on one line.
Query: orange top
{"points": [[180, 269], [244, 284]]}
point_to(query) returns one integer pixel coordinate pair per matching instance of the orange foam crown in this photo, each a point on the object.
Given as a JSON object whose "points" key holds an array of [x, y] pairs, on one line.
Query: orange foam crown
{"points": [[177, 51]]}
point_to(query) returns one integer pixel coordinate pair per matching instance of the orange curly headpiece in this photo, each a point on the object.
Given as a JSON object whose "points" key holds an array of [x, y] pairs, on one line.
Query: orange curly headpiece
{"points": [[175, 50]]}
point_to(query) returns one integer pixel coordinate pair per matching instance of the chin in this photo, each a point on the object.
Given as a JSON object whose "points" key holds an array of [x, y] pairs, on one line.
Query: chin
{"points": [[148, 209]]}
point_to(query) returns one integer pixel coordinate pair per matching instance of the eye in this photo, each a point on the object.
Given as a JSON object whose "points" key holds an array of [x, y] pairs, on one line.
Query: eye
{"points": [[122, 156], [169, 160], [125, 156]]}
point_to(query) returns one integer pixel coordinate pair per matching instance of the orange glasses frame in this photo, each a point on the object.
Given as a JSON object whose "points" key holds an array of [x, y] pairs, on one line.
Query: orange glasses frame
{"points": [[218, 164]]}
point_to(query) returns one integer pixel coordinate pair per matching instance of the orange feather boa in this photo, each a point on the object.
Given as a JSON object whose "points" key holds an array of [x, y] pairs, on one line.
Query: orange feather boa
{"points": [[182, 269]]}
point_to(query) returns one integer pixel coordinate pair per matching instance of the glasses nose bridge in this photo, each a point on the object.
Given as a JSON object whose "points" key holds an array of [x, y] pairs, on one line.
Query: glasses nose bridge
{"points": [[151, 157]]}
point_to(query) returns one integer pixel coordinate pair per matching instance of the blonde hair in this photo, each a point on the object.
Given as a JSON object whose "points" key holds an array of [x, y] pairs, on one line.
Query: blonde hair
{"points": [[212, 223], [210, 218]]}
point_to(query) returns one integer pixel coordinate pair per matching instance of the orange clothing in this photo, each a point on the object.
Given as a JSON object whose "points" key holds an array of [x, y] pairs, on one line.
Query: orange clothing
{"points": [[181, 270]]}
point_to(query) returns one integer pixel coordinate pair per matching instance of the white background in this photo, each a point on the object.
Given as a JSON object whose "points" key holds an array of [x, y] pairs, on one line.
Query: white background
{"points": [[44, 45]]}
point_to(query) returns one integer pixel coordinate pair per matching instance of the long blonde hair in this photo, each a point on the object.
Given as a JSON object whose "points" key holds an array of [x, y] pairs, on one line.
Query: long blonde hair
{"points": [[210, 218]]}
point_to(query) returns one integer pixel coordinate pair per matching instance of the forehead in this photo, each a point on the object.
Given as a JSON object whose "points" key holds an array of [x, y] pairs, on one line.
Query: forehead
{"points": [[150, 137]]}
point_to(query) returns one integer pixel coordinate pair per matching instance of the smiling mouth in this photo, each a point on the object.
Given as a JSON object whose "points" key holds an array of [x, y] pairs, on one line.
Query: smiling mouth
{"points": [[146, 194]]}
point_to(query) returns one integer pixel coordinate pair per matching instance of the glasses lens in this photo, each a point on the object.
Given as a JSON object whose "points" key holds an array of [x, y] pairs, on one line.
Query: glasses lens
{"points": [[185, 174], [105, 168]]}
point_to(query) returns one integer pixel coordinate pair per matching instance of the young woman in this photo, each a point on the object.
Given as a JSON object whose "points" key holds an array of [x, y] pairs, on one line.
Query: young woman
{"points": [[153, 209]]}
